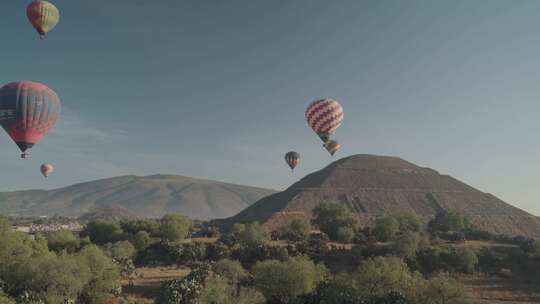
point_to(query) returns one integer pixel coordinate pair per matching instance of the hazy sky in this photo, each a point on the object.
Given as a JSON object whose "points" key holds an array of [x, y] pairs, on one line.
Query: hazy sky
{"points": [[217, 89]]}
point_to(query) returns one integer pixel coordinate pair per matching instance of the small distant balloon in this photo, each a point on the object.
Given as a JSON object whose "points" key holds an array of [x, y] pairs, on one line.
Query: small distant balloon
{"points": [[43, 16], [28, 110], [292, 158], [324, 116], [332, 147], [46, 169]]}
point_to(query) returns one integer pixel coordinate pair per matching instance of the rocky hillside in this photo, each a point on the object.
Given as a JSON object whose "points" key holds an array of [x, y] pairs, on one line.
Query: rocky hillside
{"points": [[377, 185], [149, 196]]}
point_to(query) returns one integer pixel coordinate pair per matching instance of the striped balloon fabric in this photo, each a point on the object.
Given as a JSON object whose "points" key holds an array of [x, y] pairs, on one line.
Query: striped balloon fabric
{"points": [[332, 147], [46, 169], [292, 158], [43, 15], [324, 116], [27, 111]]}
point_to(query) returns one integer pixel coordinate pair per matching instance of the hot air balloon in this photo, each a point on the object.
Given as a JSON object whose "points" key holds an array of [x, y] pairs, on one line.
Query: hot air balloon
{"points": [[332, 147], [292, 158], [324, 116], [43, 15], [46, 169], [27, 111]]}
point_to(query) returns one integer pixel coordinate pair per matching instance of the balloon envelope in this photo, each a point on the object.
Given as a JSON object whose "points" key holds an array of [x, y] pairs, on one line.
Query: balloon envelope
{"points": [[324, 116], [46, 169], [292, 158], [332, 147], [27, 111], [43, 16]]}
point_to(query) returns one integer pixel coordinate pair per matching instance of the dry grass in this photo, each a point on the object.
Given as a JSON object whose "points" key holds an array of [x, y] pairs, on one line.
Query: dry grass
{"points": [[149, 280], [480, 244], [500, 289]]}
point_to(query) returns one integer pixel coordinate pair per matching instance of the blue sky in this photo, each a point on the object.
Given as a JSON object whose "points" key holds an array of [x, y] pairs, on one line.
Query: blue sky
{"points": [[217, 89]]}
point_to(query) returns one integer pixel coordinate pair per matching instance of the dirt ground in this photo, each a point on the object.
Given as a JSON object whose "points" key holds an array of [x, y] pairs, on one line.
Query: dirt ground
{"points": [[500, 289], [149, 280]]}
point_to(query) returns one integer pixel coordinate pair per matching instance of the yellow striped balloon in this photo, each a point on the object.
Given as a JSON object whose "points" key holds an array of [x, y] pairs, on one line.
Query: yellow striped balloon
{"points": [[43, 15]]}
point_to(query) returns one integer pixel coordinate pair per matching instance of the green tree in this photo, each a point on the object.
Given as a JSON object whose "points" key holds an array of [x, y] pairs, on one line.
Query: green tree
{"points": [[5, 224], [345, 234], [409, 222], [443, 289], [121, 250], [329, 217], [281, 282], [231, 270], [141, 240], [134, 226], [447, 221], [386, 228], [4, 299], [174, 227], [377, 276], [297, 230], [103, 231], [252, 235], [57, 279], [464, 260], [62, 240], [17, 250], [406, 245], [218, 290], [104, 275]]}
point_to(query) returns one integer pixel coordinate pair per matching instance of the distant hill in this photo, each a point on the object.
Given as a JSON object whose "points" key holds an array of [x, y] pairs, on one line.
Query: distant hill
{"points": [[147, 196], [379, 185]]}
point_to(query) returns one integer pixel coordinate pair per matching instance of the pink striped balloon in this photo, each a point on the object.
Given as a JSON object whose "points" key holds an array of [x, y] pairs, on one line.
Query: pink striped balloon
{"points": [[332, 147], [324, 116]]}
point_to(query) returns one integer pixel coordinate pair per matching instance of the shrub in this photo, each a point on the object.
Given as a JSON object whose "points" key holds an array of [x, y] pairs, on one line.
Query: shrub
{"points": [[103, 231], [185, 290], [385, 229], [162, 253], [345, 234], [141, 240], [329, 217], [192, 253], [296, 231], [121, 250], [57, 279], [252, 235], [217, 251], [448, 221], [450, 259], [231, 270], [490, 261], [104, 275], [218, 290], [248, 256], [174, 227], [62, 240], [134, 226], [282, 281], [4, 299], [377, 276], [409, 222], [406, 245], [443, 289]]}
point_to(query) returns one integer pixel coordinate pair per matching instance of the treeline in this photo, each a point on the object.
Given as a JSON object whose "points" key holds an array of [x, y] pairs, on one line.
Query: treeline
{"points": [[59, 267], [330, 259]]}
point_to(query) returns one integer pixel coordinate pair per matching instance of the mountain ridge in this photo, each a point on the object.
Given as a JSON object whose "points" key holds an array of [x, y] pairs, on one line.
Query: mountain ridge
{"points": [[152, 195]]}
